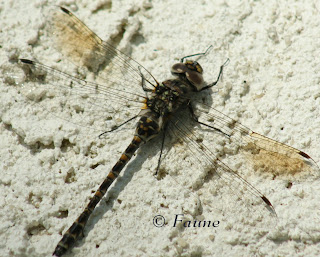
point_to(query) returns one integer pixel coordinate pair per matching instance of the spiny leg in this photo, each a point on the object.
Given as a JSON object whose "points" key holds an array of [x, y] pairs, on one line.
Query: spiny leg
{"points": [[161, 150], [198, 54], [220, 75], [118, 126], [143, 82], [195, 118]]}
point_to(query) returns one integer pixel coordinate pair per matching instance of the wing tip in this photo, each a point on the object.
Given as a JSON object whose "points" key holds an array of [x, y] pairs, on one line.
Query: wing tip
{"points": [[266, 200], [269, 205], [309, 159], [304, 155], [64, 10], [27, 61]]}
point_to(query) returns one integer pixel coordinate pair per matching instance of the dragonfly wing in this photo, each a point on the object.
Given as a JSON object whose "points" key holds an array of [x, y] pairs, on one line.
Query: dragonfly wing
{"points": [[263, 153], [76, 100], [228, 193], [75, 40]]}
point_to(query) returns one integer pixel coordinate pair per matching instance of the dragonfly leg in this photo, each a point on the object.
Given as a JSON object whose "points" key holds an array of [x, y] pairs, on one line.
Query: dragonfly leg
{"points": [[195, 118], [198, 54], [161, 150], [219, 76], [118, 126], [143, 82]]}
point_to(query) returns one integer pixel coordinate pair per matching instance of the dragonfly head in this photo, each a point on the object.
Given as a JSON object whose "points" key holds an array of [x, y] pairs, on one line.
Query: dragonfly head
{"points": [[191, 72]]}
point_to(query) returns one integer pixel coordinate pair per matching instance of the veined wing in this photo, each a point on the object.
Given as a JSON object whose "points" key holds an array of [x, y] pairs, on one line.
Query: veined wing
{"points": [[76, 100], [229, 194], [222, 152], [76, 41], [119, 79], [261, 152]]}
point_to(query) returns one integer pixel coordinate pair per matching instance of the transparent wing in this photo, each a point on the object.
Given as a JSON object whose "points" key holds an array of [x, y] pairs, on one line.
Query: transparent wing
{"points": [[224, 191], [262, 153], [75, 40], [118, 85], [84, 103], [217, 152]]}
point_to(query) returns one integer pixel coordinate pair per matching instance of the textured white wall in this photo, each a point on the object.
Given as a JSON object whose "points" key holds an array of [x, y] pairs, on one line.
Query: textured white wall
{"points": [[273, 46]]}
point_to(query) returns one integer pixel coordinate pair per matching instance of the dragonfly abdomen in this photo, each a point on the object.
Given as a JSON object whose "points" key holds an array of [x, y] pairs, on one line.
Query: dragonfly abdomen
{"points": [[147, 128]]}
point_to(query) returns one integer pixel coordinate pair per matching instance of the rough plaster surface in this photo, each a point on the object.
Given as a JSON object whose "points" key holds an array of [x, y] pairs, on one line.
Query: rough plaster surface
{"points": [[272, 85]]}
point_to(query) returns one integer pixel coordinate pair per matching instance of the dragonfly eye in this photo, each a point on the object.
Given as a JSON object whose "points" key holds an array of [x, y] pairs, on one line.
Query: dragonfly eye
{"points": [[179, 68], [192, 71], [196, 79]]}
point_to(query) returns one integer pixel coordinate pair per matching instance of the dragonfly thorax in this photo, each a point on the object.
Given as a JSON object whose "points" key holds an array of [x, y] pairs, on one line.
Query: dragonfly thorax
{"points": [[167, 96], [170, 94]]}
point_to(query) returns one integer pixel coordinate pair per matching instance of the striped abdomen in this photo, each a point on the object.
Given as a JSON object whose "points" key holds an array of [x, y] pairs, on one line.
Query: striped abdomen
{"points": [[146, 129]]}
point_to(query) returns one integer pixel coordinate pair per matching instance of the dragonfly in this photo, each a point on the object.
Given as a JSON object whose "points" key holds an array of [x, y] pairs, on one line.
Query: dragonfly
{"points": [[161, 110]]}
